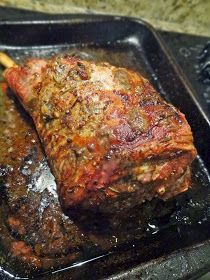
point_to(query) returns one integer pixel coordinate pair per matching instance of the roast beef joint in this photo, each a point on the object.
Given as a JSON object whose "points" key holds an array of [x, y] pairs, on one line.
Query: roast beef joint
{"points": [[111, 141]]}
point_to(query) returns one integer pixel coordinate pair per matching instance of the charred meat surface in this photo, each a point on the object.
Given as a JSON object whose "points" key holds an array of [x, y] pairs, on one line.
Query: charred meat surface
{"points": [[112, 142]]}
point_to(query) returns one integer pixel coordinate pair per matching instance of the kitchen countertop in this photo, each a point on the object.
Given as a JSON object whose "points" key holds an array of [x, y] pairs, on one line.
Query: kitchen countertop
{"points": [[186, 16]]}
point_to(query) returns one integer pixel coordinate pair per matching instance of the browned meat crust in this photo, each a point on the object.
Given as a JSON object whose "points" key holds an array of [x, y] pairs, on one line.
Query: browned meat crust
{"points": [[107, 134]]}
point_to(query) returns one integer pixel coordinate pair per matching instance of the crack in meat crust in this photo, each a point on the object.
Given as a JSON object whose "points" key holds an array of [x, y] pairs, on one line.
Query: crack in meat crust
{"points": [[105, 130]]}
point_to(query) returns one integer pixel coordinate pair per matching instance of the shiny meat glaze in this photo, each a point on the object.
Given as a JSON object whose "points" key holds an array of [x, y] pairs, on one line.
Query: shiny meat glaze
{"points": [[107, 133]]}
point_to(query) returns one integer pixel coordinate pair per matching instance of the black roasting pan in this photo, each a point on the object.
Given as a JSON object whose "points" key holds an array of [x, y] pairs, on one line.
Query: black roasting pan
{"points": [[175, 244]]}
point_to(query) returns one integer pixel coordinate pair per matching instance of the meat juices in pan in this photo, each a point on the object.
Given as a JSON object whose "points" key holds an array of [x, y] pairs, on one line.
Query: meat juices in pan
{"points": [[112, 142]]}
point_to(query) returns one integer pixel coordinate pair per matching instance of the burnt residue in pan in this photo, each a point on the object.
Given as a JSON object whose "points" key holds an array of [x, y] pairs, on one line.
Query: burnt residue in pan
{"points": [[33, 228]]}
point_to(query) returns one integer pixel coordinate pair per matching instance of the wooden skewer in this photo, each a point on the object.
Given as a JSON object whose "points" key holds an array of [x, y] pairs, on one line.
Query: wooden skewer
{"points": [[6, 61]]}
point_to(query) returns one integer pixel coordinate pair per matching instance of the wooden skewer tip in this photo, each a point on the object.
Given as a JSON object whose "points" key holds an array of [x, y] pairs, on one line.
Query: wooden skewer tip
{"points": [[6, 61]]}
